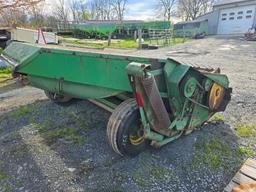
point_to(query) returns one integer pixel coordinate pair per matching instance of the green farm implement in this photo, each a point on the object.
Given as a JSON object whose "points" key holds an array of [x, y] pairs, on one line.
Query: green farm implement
{"points": [[153, 101]]}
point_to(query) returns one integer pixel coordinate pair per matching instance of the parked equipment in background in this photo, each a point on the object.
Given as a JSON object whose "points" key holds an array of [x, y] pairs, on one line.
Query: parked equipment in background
{"points": [[5, 35], [153, 101], [32, 36], [194, 29], [251, 34]]}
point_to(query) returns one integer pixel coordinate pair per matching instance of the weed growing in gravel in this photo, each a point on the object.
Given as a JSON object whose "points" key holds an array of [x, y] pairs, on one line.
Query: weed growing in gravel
{"points": [[244, 151], [78, 120], [6, 187], [120, 176], [149, 173], [69, 134], [211, 152], [218, 118], [244, 130], [39, 127], [4, 179], [155, 173], [3, 176], [21, 111]]}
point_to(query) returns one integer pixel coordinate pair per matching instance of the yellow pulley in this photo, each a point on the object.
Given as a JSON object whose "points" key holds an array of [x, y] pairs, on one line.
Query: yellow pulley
{"points": [[216, 96]]}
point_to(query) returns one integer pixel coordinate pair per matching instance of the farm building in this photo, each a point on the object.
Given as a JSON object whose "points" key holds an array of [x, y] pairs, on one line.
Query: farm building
{"points": [[191, 29], [231, 17]]}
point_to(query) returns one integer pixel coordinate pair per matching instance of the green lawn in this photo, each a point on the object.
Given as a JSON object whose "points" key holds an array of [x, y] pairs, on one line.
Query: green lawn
{"points": [[5, 74], [122, 44]]}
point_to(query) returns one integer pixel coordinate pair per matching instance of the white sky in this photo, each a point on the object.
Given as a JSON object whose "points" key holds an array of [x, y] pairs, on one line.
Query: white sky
{"points": [[136, 9]]}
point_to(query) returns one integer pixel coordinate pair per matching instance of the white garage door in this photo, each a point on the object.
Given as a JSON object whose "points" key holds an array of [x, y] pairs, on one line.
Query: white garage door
{"points": [[236, 20]]}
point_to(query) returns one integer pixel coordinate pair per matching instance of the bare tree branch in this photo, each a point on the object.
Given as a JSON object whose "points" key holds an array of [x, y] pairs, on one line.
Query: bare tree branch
{"points": [[165, 8], [103, 10], [119, 6], [191, 9], [13, 4], [61, 12]]}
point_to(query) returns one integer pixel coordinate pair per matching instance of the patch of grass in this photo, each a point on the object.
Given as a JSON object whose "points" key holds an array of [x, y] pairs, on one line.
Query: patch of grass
{"points": [[148, 176], [128, 43], [5, 73], [244, 151], [218, 118], [4, 179], [149, 173], [69, 134], [5, 70], [140, 180], [211, 152], [78, 120], [20, 182], [120, 177], [39, 127], [3, 176], [97, 45], [245, 130], [158, 172], [21, 111], [7, 188], [124, 43]]}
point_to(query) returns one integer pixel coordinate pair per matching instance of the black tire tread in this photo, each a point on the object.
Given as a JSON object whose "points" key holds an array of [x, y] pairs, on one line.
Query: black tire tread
{"points": [[115, 120]]}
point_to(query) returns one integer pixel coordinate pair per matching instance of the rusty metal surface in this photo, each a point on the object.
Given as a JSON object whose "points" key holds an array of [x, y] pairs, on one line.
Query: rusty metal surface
{"points": [[160, 112]]}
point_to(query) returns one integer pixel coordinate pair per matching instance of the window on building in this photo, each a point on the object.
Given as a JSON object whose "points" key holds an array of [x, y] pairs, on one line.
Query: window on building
{"points": [[240, 13], [231, 13], [224, 14], [249, 11], [248, 16], [240, 17], [231, 18], [223, 19]]}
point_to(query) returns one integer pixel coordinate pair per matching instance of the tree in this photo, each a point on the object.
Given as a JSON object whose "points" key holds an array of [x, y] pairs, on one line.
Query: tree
{"points": [[14, 12], [14, 4], [191, 9], [166, 8], [119, 6], [79, 10], [37, 16], [102, 10], [73, 4], [61, 13]]}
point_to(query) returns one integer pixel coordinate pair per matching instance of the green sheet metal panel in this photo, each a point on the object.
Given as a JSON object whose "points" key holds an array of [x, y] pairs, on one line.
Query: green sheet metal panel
{"points": [[157, 25], [19, 53], [103, 28], [190, 29], [97, 69]]}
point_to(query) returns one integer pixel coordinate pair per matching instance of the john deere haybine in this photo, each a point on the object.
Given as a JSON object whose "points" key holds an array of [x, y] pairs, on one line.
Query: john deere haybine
{"points": [[153, 101]]}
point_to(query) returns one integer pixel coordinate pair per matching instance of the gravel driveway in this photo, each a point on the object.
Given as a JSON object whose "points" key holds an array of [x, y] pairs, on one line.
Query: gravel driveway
{"points": [[47, 147]]}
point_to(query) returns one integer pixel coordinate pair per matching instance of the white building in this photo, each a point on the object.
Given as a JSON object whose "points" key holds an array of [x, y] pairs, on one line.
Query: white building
{"points": [[231, 17]]}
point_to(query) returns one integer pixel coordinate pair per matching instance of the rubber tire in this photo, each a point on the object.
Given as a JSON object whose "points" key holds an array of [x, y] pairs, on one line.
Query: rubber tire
{"points": [[64, 99], [119, 125]]}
